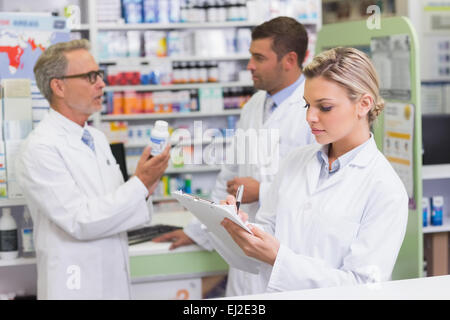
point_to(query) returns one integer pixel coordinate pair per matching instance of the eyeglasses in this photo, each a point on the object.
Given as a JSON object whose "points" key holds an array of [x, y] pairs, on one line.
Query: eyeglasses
{"points": [[91, 76]]}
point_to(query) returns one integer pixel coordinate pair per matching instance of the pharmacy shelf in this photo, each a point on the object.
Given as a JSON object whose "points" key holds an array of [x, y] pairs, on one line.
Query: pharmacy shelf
{"points": [[173, 115], [17, 262], [436, 171], [12, 202], [185, 142], [162, 198], [193, 169], [435, 229], [152, 87], [138, 60], [173, 26], [81, 27], [170, 198]]}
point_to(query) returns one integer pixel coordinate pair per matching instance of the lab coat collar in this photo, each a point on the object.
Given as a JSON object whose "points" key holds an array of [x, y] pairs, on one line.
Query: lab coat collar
{"points": [[291, 102], [366, 154], [70, 129], [66, 124], [285, 93], [344, 159], [362, 159]]}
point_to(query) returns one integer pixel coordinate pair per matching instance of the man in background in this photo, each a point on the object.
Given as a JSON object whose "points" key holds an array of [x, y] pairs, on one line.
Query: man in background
{"points": [[278, 49]]}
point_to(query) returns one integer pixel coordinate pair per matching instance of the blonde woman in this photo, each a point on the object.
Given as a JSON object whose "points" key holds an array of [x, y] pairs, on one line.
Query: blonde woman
{"points": [[337, 213]]}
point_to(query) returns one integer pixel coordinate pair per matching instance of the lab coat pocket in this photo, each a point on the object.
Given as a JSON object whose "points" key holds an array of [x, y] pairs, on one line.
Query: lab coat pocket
{"points": [[115, 175], [118, 173], [333, 238], [286, 146], [75, 273]]}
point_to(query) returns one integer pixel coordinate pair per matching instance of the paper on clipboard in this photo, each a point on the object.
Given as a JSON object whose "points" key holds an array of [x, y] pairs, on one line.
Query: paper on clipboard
{"points": [[211, 215]]}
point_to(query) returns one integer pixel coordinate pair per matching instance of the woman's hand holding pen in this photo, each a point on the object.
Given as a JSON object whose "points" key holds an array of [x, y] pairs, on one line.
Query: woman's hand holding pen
{"points": [[261, 245], [232, 200], [251, 193]]}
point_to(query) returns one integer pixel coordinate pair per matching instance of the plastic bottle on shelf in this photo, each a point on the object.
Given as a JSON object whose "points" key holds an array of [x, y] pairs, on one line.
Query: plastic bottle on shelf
{"points": [[242, 10], [184, 72], [174, 11], [232, 11], [8, 236], [437, 206], [193, 72], [201, 11], [163, 11], [221, 11], [132, 11], [243, 40], [159, 137], [26, 235], [202, 72], [188, 183], [176, 155], [184, 11], [176, 70], [425, 210], [226, 98], [213, 72], [212, 9], [150, 11], [234, 98], [194, 100]]}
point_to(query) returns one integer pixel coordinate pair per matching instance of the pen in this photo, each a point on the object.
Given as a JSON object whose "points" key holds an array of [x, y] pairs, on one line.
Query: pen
{"points": [[239, 193]]}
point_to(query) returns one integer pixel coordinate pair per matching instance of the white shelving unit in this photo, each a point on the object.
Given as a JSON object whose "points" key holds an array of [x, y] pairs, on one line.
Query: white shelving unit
{"points": [[434, 229], [165, 87], [139, 60], [194, 169], [93, 27], [175, 26], [185, 143], [437, 174], [12, 202], [436, 171], [17, 262], [155, 116]]}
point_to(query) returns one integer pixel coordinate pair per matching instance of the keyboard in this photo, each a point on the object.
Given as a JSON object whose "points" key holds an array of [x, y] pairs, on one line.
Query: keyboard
{"points": [[148, 233]]}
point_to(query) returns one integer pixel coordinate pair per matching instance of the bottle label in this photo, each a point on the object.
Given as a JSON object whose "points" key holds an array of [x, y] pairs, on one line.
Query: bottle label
{"points": [[8, 240], [27, 240], [158, 145]]}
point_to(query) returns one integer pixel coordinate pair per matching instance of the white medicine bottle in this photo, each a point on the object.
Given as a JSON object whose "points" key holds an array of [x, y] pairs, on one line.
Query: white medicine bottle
{"points": [[27, 235], [159, 137], [8, 236]]}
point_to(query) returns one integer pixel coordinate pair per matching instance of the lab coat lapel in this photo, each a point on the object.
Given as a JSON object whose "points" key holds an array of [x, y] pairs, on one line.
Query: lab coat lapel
{"points": [[284, 108], [76, 143], [334, 179], [362, 159], [109, 182], [312, 174], [73, 141]]}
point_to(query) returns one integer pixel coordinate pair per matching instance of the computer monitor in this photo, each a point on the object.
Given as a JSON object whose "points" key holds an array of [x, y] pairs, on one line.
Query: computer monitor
{"points": [[118, 151], [436, 138]]}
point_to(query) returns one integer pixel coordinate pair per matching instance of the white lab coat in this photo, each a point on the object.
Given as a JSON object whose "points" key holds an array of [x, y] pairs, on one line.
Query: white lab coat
{"points": [[347, 231], [290, 119], [80, 209]]}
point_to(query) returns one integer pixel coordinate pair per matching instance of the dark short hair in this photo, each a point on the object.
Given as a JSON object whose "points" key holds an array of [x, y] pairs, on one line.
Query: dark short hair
{"points": [[287, 34]]}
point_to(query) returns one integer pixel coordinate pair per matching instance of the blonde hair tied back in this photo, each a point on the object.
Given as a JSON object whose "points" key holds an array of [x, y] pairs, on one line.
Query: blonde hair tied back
{"points": [[351, 69]]}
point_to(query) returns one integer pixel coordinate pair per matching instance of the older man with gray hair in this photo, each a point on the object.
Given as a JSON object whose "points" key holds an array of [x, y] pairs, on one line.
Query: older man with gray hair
{"points": [[80, 205]]}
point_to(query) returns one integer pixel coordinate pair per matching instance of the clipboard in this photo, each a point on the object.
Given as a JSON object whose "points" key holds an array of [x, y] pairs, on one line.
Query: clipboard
{"points": [[211, 215]]}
